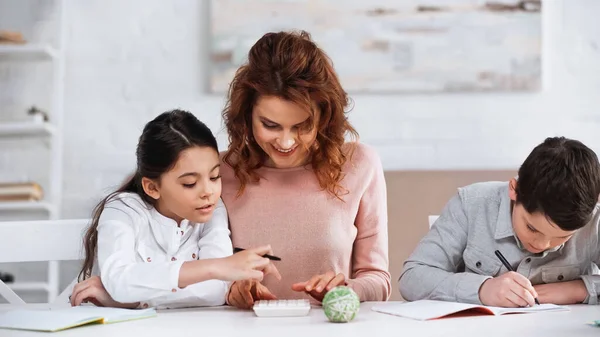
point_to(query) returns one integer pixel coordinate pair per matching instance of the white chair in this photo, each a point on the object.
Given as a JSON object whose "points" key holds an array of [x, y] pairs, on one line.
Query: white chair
{"points": [[43, 241], [432, 219]]}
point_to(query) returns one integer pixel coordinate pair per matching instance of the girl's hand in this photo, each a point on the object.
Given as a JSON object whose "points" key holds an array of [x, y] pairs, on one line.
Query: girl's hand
{"points": [[92, 290], [247, 264], [319, 285]]}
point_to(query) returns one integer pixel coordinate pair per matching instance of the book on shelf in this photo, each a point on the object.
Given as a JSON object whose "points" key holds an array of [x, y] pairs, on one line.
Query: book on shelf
{"points": [[11, 37], [26, 191]]}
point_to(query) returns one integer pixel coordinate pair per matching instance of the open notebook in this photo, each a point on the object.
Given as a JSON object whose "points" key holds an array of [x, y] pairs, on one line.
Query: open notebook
{"points": [[61, 319], [428, 309]]}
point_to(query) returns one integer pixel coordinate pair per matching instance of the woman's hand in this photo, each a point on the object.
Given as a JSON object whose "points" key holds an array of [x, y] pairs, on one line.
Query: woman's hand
{"points": [[92, 290], [243, 294], [319, 285]]}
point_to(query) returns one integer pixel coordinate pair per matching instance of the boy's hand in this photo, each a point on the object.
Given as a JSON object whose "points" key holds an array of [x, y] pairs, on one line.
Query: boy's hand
{"points": [[563, 293], [509, 290]]}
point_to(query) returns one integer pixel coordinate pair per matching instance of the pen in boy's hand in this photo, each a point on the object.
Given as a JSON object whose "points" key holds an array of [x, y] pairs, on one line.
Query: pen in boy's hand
{"points": [[270, 257], [509, 267]]}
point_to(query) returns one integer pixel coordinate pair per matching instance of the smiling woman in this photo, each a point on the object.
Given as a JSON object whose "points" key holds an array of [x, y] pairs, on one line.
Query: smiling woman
{"points": [[291, 180], [283, 131]]}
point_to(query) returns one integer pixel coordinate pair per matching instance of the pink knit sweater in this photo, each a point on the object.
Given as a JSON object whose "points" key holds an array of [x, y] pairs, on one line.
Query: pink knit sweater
{"points": [[312, 231]]}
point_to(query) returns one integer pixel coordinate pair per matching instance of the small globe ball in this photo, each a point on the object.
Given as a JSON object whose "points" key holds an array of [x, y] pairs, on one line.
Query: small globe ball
{"points": [[341, 304]]}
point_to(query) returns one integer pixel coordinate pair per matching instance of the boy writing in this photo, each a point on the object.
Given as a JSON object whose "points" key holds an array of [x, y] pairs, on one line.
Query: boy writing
{"points": [[545, 222]]}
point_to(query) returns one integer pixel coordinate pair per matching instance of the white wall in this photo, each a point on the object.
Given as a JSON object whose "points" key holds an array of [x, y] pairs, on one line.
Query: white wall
{"points": [[127, 61]]}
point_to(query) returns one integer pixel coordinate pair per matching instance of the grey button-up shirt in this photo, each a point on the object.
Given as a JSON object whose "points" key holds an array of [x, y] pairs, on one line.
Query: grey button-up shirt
{"points": [[457, 255]]}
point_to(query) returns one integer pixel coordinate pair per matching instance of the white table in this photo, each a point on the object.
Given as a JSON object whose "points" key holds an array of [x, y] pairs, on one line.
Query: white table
{"points": [[227, 321]]}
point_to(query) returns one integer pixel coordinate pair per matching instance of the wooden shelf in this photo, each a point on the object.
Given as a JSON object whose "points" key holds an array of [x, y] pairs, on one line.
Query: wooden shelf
{"points": [[25, 129], [24, 286], [24, 206], [26, 52], [49, 57]]}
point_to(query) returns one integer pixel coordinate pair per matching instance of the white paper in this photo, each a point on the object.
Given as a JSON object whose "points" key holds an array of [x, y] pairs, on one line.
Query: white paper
{"points": [[113, 315], [42, 320], [536, 308], [53, 320], [429, 309]]}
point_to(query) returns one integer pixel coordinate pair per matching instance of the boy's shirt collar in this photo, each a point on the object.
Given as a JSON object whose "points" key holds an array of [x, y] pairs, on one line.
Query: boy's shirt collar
{"points": [[504, 228]]}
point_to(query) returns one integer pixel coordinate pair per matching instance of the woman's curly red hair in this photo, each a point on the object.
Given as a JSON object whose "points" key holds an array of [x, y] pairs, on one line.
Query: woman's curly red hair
{"points": [[289, 65]]}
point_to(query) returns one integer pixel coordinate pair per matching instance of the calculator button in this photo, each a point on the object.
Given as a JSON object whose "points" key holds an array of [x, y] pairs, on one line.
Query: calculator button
{"points": [[281, 308]]}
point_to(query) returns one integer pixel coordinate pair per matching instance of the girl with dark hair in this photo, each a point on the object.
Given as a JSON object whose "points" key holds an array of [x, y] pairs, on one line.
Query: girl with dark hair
{"points": [[151, 240]]}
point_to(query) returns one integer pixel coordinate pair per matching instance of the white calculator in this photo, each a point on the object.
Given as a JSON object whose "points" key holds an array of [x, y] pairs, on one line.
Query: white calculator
{"points": [[282, 308]]}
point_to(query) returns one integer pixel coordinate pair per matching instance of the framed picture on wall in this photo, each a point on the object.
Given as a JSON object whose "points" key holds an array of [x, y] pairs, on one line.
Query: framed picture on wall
{"points": [[391, 46]]}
